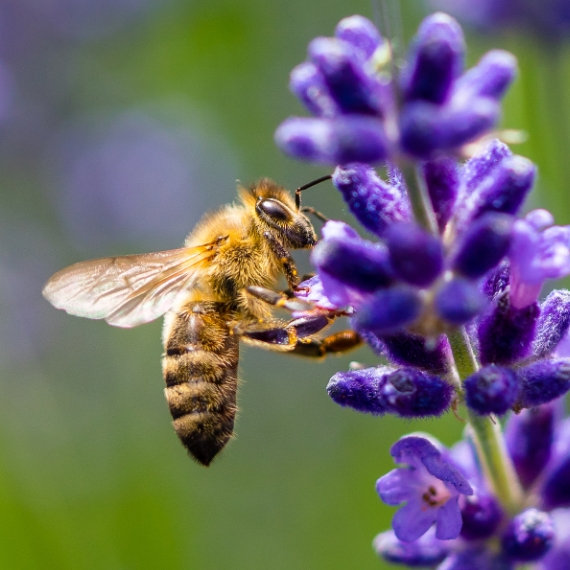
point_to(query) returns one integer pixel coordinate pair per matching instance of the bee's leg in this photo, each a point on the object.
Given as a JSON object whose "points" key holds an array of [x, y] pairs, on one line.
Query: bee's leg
{"points": [[335, 343], [279, 300], [295, 336], [286, 260]]}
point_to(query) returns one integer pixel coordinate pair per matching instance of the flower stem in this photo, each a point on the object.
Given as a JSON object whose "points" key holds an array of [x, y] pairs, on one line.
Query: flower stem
{"points": [[418, 195], [487, 434]]}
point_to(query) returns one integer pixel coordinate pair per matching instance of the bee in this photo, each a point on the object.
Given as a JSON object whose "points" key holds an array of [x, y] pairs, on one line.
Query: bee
{"points": [[215, 291]]}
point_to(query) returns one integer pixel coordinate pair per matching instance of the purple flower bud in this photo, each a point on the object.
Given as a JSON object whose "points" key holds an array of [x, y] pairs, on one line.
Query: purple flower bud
{"points": [[353, 90], [529, 436], [491, 390], [442, 180], [410, 393], [503, 190], [405, 392], [388, 310], [430, 487], [374, 203], [543, 381], [481, 166], [506, 333], [355, 262], [411, 350], [416, 256], [360, 389], [436, 59], [333, 141], [484, 244], [553, 323], [481, 515], [426, 551], [361, 33], [427, 127], [308, 85], [459, 300], [491, 77], [529, 536]]}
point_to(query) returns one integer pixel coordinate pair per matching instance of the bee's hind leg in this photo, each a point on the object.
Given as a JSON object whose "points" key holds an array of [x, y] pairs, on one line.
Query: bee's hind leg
{"points": [[295, 335]]}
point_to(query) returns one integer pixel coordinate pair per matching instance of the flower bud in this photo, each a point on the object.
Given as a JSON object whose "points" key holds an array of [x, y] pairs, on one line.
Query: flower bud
{"points": [[353, 90], [506, 334], [491, 390], [411, 350], [503, 190], [543, 381], [361, 33], [416, 256], [529, 536], [388, 310], [340, 140], [491, 77], [405, 392], [436, 59], [375, 203], [426, 127], [529, 436], [355, 262], [553, 322], [484, 244], [481, 515], [459, 300], [481, 165], [307, 83]]}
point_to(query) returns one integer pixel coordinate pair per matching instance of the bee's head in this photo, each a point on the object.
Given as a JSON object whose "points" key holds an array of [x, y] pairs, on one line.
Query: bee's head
{"points": [[277, 213]]}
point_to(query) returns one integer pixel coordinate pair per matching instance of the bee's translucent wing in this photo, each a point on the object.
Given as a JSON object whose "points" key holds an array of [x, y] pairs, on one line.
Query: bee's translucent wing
{"points": [[128, 290]]}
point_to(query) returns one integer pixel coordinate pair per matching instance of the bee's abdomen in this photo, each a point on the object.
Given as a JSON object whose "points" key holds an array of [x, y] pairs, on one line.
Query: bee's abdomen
{"points": [[200, 371]]}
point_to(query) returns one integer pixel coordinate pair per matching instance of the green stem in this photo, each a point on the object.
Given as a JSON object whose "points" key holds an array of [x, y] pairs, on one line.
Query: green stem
{"points": [[487, 434], [418, 195]]}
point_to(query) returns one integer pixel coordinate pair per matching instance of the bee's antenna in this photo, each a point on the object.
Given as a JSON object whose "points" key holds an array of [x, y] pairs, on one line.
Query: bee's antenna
{"points": [[306, 186]]}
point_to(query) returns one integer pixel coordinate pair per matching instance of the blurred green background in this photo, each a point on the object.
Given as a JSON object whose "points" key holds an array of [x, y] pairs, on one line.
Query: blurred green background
{"points": [[121, 122]]}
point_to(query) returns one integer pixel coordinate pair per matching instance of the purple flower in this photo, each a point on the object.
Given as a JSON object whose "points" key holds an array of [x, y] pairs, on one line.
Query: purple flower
{"points": [[430, 487], [356, 119], [539, 251], [549, 19]]}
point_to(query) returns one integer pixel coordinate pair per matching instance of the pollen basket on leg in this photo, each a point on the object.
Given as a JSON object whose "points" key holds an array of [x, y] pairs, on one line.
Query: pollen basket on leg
{"points": [[200, 372]]}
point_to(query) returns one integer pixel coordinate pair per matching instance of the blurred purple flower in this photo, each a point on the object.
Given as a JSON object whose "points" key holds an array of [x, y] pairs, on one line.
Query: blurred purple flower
{"points": [[550, 19], [134, 178]]}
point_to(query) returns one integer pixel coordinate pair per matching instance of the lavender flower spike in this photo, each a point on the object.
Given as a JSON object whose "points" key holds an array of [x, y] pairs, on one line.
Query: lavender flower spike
{"points": [[430, 486]]}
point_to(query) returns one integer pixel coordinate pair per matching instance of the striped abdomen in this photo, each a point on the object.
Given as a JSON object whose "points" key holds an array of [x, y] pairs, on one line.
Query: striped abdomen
{"points": [[200, 371]]}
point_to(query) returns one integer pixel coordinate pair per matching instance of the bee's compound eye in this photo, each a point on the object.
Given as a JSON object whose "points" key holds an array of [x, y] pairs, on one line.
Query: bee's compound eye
{"points": [[274, 210]]}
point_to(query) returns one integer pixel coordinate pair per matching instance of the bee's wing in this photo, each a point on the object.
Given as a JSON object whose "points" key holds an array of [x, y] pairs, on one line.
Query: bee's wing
{"points": [[129, 290]]}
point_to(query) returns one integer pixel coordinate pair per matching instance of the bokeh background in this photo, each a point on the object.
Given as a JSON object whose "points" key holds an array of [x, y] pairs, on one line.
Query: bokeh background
{"points": [[121, 122]]}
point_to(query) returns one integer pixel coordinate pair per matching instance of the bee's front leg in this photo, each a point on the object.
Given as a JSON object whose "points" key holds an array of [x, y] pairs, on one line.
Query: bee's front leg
{"points": [[285, 259]]}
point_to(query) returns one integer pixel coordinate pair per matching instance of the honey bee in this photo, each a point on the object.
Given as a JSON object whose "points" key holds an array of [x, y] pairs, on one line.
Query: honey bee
{"points": [[214, 291]]}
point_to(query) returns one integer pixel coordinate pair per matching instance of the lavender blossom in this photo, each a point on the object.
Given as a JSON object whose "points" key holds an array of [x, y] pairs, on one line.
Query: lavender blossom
{"points": [[447, 292], [430, 486], [443, 107]]}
